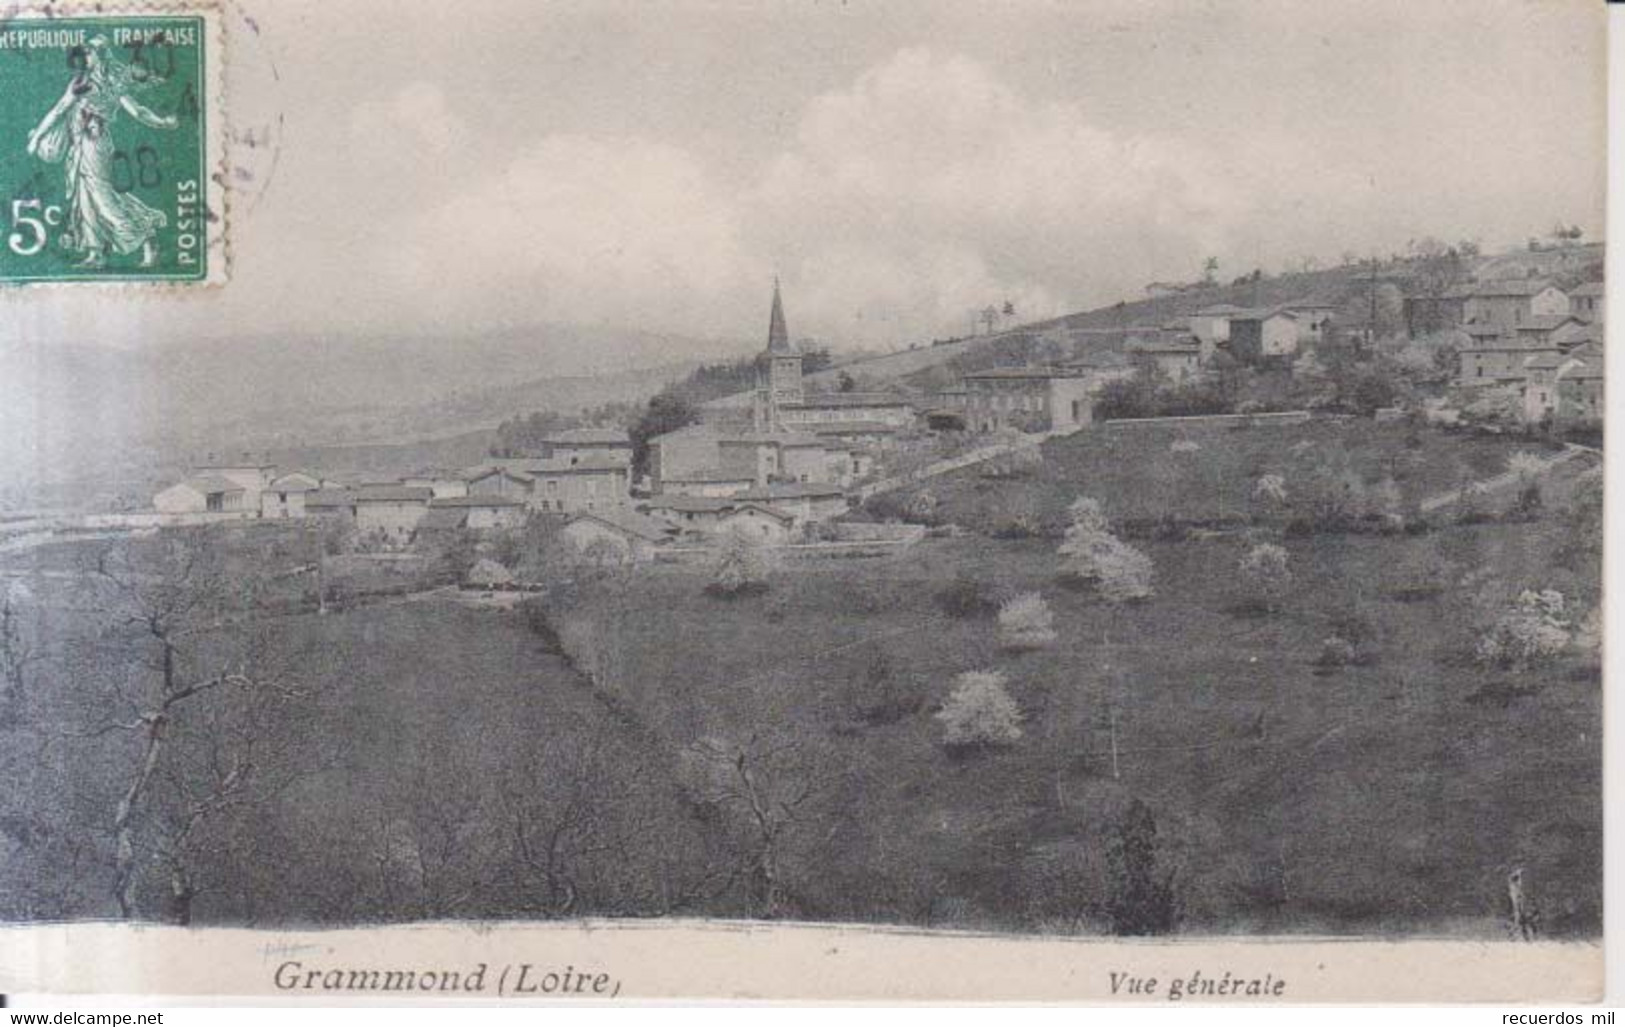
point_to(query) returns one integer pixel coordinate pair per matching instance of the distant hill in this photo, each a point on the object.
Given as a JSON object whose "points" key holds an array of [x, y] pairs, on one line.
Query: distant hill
{"points": [[69, 413]]}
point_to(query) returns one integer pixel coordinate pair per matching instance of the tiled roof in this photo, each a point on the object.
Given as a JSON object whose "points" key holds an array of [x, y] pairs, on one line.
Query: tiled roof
{"points": [[771, 511], [691, 504], [328, 497], [791, 490], [1545, 322], [1507, 288], [848, 399], [1590, 289], [646, 528], [207, 483], [391, 494], [464, 502]]}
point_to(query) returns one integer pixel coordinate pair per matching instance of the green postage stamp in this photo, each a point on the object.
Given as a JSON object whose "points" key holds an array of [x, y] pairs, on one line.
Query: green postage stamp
{"points": [[111, 145]]}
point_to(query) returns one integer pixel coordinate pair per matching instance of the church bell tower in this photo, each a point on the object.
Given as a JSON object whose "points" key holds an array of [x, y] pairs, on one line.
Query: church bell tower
{"points": [[778, 372]]}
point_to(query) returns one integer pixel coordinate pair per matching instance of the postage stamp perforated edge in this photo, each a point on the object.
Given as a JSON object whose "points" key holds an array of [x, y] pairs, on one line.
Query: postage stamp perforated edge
{"points": [[216, 184]]}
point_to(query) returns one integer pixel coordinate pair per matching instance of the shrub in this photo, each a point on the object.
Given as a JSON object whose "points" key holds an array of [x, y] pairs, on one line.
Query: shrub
{"points": [[1533, 630], [967, 597], [1336, 651], [883, 696], [1025, 622], [979, 712], [1016, 463], [1264, 570]]}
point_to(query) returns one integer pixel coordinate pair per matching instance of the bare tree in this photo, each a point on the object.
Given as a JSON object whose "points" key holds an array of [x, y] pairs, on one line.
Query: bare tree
{"points": [[767, 784], [191, 695]]}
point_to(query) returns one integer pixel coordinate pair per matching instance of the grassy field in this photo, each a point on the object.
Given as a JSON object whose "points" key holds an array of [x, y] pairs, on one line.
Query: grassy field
{"points": [[1204, 473], [447, 761], [1388, 797]]}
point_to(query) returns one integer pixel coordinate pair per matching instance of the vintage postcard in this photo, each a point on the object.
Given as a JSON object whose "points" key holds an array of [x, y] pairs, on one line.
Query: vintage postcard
{"points": [[783, 500]]}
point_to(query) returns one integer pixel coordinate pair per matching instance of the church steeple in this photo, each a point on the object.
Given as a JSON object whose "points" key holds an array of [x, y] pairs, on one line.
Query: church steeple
{"points": [[778, 336]]}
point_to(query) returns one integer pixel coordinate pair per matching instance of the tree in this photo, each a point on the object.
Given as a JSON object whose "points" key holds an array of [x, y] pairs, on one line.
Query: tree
{"points": [[1025, 622], [845, 382], [1141, 900], [1119, 572], [1210, 270], [740, 568], [667, 411], [19, 650], [1270, 498], [1530, 631], [766, 785], [979, 712], [198, 695], [1265, 571]]}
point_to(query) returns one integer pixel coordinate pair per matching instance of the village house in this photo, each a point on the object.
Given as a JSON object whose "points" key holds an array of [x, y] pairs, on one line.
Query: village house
{"points": [[1211, 326], [1509, 304], [478, 513], [1264, 336], [579, 483], [631, 534], [498, 480], [284, 497], [706, 482], [390, 512], [758, 523], [1031, 399], [806, 504], [816, 412], [707, 460], [205, 493], [600, 445], [334, 503], [692, 513], [1546, 328], [1580, 386], [1173, 357], [1587, 301], [1497, 358], [445, 484]]}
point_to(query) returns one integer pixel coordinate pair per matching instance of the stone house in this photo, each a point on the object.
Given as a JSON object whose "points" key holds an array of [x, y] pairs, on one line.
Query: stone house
{"points": [[1031, 399]]}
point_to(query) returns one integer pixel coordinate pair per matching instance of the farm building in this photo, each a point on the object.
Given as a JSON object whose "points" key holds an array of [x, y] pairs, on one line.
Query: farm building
{"points": [[1176, 357], [632, 534], [481, 513], [204, 493], [497, 480], [575, 484], [335, 503], [1259, 336], [805, 503], [390, 511], [285, 496], [605, 445], [758, 523], [1509, 304], [1498, 357], [444, 484], [1588, 301]]}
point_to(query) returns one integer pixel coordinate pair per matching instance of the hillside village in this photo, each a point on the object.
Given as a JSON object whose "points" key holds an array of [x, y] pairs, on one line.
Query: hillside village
{"points": [[790, 460], [1296, 579]]}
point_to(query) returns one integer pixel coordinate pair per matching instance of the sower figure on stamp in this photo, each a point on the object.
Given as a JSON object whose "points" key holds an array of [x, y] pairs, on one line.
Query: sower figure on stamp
{"points": [[102, 219]]}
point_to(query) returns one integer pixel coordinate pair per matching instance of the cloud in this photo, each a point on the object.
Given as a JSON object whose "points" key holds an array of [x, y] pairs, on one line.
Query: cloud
{"points": [[950, 190], [580, 229]]}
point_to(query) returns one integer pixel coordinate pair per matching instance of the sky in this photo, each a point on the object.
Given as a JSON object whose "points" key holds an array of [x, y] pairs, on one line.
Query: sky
{"points": [[492, 165]]}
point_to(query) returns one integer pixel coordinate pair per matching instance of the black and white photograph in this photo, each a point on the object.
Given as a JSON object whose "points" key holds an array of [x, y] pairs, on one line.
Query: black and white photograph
{"points": [[1105, 477]]}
